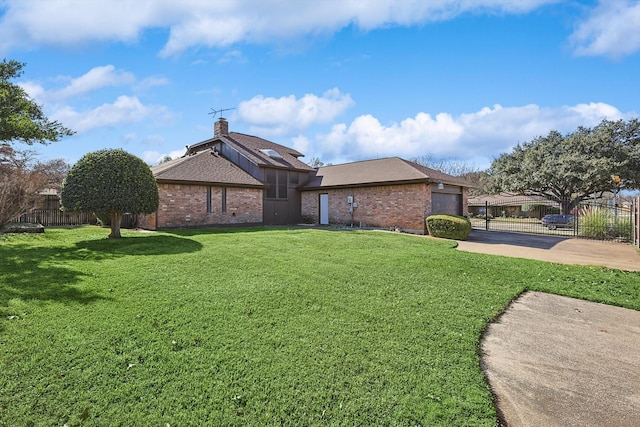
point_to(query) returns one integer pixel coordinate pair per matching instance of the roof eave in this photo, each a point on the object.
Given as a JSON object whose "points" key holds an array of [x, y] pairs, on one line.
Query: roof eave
{"points": [[211, 183]]}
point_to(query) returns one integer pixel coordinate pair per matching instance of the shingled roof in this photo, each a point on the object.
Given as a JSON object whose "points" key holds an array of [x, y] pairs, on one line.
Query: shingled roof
{"points": [[262, 152], [204, 167], [257, 149], [392, 170]]}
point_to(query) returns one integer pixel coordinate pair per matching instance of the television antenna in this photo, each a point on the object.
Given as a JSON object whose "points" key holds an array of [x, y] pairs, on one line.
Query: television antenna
{"points": [[214, 112]]}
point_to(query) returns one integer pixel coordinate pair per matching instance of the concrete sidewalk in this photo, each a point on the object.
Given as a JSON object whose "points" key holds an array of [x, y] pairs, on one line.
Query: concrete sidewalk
{"points": [[558, 361], [553, 249]]}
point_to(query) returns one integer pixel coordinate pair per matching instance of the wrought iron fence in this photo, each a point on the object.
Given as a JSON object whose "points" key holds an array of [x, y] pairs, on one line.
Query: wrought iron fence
{"points": [[600, 220]]}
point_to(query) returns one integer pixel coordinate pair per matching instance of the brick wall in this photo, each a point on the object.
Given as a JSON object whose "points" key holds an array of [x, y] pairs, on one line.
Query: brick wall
{"points": [[403, 206], [186, 206], [465, 201]]}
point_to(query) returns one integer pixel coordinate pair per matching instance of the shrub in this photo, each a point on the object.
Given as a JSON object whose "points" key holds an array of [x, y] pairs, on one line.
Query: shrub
{"points": [[601, 223], [448, 226], [594, 222]]}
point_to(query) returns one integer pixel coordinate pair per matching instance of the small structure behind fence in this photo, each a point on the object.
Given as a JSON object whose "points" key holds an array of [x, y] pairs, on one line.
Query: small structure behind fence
{"points": [[597, 219]]}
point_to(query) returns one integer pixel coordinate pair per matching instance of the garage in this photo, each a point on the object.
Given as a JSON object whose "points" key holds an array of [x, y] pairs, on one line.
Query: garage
{"points": [[446, 203]]}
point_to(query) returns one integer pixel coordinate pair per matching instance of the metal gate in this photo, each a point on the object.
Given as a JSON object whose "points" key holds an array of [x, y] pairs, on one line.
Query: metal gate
{"points": [[599, 220]]}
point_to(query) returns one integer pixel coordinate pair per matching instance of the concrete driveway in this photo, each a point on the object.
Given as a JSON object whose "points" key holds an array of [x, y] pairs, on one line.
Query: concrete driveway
{"points": [[553, 249], [558, 361]]}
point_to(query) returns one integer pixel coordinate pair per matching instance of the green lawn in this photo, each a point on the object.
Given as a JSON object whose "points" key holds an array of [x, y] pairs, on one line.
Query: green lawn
{"points": [[258, 326]]}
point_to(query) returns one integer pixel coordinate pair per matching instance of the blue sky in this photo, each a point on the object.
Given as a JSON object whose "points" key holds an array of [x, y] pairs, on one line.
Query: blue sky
{"points": [[338, 80]]}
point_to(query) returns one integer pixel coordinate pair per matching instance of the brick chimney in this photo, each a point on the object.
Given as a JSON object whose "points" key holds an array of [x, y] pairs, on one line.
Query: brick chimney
{"points": [[221, 127]]}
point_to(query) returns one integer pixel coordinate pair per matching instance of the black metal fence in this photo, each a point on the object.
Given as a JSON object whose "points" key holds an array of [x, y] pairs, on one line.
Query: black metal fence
{"points": [[599, 220]]}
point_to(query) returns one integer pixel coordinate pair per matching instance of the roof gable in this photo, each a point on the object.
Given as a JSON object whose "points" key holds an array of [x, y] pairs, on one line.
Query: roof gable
{"points": [[260, 151], [267, 153], [206, 167], [380, 171]]}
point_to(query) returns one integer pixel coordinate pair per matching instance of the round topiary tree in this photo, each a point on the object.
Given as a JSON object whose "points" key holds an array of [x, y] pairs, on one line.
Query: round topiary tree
{"points": [[110, 182]]}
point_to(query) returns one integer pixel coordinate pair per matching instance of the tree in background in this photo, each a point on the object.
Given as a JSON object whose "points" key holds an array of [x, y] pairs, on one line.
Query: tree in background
{"points": [[19, 183], [112, 183], [21, 119], [459, 168], [53, 170], [316, 163], [570, 168], [166, 158]]}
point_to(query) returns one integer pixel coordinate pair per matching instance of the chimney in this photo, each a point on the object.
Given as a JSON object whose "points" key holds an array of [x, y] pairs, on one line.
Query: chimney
{"points": [[221, 127]]}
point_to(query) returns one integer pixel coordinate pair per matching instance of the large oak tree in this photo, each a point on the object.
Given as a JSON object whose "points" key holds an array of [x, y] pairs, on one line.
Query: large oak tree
{"points": [[573, 167]]}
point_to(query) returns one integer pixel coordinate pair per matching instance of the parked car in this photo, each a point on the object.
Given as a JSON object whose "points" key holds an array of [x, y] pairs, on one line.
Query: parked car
{"points": [[557, 221]]}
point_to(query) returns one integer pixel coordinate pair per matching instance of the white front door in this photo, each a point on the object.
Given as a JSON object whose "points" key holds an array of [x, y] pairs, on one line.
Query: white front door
{"points": [[324, 209]]}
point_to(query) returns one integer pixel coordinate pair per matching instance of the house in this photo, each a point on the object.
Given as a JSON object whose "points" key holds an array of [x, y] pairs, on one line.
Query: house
{"points": [[390, 193], [239, 179], [230, 179], [512, 205]]}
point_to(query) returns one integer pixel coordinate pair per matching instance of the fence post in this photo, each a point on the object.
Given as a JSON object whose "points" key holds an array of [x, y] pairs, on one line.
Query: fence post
{"points": [[636, 221], [486, 215]]}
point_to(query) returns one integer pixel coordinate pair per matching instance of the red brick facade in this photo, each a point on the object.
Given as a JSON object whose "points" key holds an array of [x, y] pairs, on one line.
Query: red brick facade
{"points": [[187, 206], [405, 206]]}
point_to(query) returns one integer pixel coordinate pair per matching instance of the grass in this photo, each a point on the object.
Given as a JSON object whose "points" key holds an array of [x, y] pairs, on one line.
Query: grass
{"points": [[258, 326]]}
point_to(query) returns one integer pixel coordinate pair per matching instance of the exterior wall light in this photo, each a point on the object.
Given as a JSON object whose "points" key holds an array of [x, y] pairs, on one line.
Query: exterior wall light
{"points": [[440, 186]]}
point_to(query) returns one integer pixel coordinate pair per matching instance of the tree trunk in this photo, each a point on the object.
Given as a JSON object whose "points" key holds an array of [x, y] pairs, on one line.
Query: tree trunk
{"points": [[566, 205], [116, 219]]}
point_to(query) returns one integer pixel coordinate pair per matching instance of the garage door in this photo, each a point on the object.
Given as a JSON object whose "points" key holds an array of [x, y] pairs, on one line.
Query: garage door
{"points": [[446, 203]]}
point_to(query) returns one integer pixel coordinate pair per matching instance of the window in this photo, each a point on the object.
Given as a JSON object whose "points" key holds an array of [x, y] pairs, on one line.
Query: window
{"points": [[224, 199], [277, 180], [282, 184], [208, 199], [272, 191]]}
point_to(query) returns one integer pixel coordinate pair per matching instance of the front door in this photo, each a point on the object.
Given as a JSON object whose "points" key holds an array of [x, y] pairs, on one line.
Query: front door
{"points": [[324, 209]]}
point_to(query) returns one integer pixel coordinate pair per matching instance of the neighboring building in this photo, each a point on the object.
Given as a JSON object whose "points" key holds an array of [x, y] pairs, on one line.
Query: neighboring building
{"points": [[49, 197], [234, 179], [390, 193], [512, 205]]}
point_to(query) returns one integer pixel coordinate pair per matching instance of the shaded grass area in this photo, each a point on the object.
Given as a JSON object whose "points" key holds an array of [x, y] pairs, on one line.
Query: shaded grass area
{"points": [[258, 326]]}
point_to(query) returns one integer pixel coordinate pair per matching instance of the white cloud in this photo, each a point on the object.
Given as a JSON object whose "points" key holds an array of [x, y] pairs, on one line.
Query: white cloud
{"points": [[125, 109], [154, 157], [192, 23], [287, 114], [150, 82], [233, 56], [301, 143], [95, 79], [480, 135], [612, 29]]}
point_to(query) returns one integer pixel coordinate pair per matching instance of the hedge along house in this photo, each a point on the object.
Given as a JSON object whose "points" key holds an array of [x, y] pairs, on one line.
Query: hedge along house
{"points": [[389, 193], [231, 178]]}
